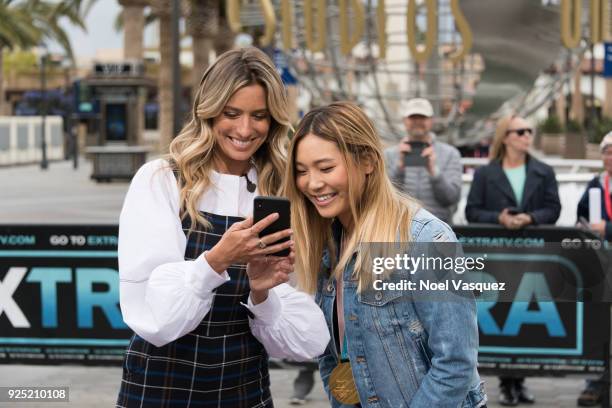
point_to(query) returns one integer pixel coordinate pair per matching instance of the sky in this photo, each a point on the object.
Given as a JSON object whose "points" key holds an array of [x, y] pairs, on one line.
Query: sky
{"points": [[100, 30]]}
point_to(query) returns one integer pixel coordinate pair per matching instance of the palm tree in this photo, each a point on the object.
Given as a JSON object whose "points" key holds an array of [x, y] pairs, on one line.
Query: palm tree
{"points": [[132, 20], [28, 23], [202, 24], [161, 9], [224, 40], [16, 30]]}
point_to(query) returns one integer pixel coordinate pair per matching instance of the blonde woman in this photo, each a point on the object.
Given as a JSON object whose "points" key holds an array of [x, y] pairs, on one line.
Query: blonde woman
{"points": [[206, 304], [386, 351], [514, 190]]}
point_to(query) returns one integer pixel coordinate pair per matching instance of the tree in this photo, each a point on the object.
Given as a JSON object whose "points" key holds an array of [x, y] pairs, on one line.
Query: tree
{"points": [[162, 9], [202, 24], [16, 30], [132, 21], [29, 23]]}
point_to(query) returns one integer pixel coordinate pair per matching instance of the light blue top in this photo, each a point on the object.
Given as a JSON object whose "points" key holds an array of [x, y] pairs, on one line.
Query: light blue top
{"points": [[517, 177]]}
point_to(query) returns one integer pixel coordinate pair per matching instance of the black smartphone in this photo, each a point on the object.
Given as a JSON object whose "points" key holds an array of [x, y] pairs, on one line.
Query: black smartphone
{"points": [[584, 223], [264, 206], [513, 211], [414, 158]]}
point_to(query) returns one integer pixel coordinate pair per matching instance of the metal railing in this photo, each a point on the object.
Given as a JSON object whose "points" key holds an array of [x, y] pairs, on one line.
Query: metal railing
{"points": [[20, 139]]}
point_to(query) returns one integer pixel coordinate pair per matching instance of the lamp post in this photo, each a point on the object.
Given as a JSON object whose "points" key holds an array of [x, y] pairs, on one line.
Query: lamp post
{"points": [[177, 116], [43, 111]]}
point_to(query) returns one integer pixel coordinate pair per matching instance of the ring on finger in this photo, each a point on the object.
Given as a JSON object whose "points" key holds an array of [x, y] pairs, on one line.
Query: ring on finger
{"points": [[261, 245]]}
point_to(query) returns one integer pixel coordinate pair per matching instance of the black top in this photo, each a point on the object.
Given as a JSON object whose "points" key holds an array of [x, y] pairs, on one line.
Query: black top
{"points": [[583, 206]]}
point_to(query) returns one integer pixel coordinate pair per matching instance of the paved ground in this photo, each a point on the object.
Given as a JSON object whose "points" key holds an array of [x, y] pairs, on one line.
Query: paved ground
{"points": [[62, 195], [58, 195], [97, 387]]}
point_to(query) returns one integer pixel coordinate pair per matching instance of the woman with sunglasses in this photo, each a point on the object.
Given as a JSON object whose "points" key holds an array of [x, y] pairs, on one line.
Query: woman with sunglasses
{"points": [[514, 190]]}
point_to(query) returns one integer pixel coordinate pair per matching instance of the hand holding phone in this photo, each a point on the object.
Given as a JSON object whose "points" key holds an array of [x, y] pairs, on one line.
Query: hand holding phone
{"points": [[264, 206], [513, 211], [414, 158], [583, 223]]}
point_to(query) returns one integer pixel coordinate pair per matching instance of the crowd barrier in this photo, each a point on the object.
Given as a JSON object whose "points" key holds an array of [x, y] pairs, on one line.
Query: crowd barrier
{"points": [[20, 139], [59, 298]]}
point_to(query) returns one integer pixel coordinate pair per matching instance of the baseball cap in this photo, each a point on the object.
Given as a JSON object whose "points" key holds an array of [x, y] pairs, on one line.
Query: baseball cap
{"points": [[605, 142], [417, 106]]}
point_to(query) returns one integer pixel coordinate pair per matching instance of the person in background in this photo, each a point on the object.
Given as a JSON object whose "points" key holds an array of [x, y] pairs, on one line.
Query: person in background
{"points": [[592, 393], [515, 190], [304, 382], [207, 302], [437, 185], [603, 182]]}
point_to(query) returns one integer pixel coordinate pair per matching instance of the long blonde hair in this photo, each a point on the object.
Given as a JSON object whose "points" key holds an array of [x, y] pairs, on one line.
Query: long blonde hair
{"points": [[498, 148], [380, 213], [192, 151]]}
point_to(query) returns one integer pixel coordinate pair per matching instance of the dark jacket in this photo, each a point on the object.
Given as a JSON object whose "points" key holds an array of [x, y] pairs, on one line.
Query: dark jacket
{"points": [[491, 192], [583, 206]]}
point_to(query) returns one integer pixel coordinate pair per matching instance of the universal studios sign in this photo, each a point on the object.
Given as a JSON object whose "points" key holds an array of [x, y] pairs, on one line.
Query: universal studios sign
{"points": [[352, 17]]}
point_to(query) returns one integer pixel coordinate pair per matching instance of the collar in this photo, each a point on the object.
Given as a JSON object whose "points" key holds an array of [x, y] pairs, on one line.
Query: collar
{"points": [[216, 176]]}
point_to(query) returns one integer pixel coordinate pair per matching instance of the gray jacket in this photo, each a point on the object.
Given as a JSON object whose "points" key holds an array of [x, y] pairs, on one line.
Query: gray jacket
{"points": [[439, 194]]}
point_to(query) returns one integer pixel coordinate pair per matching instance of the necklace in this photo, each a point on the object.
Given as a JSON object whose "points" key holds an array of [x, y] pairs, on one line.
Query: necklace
{"points": [[341, 382], [250, 185]]}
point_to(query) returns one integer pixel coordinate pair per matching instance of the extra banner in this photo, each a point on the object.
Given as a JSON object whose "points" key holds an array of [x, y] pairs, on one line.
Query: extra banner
{"points": [[59, 298], [559, 320]]}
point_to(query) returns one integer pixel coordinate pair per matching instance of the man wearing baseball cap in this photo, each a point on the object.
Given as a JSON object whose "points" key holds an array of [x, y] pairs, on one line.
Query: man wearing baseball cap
{"points": [[425, 168], [592, 394]]}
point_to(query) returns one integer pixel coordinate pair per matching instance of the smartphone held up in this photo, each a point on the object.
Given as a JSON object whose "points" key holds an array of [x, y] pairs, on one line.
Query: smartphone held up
{"points": [[264, 206], [414, 157]]}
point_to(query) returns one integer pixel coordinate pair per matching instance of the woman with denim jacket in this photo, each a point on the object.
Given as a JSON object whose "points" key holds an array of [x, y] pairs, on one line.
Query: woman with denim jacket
{"points": [[384, 351]]}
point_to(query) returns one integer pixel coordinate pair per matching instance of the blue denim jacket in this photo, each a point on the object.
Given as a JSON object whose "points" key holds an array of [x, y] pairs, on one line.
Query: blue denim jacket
{"points": [[405, 353]]}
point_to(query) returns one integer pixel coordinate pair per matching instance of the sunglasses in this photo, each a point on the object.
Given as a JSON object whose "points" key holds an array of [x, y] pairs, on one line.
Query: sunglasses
{"points": [[521, 131]]}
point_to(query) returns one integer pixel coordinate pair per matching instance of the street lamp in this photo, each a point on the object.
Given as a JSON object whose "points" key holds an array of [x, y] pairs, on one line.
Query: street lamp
{"points": [[43, 110], [177, 116]]}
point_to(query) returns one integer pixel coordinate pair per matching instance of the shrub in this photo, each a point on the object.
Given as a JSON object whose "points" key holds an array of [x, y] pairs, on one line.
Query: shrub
{"points": [[602, 127], [550, 125], [573, 126]]}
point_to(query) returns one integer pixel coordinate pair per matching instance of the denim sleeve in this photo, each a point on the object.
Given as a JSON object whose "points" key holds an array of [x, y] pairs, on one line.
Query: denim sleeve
{"points": [[452, 339]]}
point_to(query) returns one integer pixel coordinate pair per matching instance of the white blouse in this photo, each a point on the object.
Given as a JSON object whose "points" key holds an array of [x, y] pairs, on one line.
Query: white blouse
{"points": [[163, 297]]}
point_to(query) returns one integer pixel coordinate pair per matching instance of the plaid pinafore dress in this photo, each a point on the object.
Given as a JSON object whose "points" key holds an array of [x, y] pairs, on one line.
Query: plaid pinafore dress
{"points": [[219, 364]]}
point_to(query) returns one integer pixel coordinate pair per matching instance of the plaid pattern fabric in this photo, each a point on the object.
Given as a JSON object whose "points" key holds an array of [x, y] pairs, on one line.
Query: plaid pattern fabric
{"points": [[219, 364]]}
